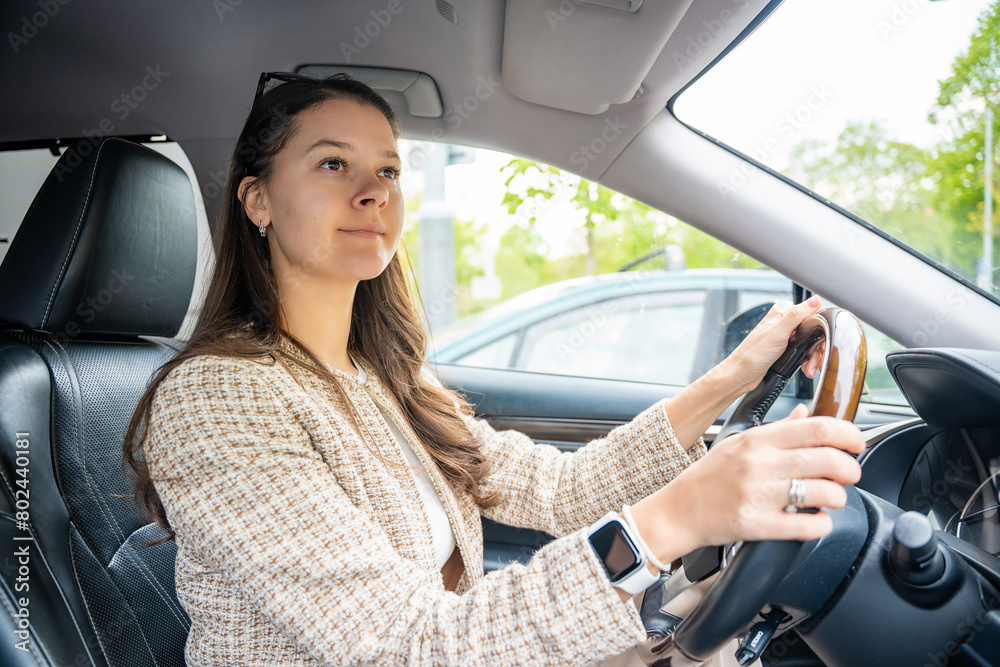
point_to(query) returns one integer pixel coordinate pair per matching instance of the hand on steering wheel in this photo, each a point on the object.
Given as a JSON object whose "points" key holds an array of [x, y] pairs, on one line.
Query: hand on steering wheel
{"points": [[743, 586]]}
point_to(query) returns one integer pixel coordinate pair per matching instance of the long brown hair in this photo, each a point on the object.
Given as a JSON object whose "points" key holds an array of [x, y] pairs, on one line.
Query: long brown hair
{"points": [[240, 316]]}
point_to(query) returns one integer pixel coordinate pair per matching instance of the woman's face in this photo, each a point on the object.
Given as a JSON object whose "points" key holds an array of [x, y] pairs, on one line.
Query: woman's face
{"points": [[333, 207]]}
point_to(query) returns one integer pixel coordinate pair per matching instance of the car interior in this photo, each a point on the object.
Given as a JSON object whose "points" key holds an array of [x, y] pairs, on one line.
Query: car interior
{"points": [[138, 106]]}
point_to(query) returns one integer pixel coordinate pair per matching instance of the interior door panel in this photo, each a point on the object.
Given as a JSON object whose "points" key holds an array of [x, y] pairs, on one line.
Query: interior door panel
{"points": [[564, 411]]}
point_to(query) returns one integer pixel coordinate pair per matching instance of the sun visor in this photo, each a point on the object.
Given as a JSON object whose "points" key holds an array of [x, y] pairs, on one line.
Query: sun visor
{"points": [[583, 56]]}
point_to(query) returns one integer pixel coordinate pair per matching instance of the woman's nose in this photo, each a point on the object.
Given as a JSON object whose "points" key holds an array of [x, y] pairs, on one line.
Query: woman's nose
{"points": [[372, 193]]}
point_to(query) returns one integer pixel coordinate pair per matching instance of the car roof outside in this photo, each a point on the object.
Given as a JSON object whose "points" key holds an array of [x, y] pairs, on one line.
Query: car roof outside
{"points": [[542, 303]]}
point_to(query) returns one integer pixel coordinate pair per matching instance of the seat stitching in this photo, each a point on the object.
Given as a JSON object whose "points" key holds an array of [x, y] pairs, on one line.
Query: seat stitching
{"points": [[76, 233], [955, 355], [83, 445], [143, 570], [86, 606], [973, 360]]}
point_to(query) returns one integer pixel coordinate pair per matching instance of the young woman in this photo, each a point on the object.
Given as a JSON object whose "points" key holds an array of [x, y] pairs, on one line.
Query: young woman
{"points": [[325, 490]]}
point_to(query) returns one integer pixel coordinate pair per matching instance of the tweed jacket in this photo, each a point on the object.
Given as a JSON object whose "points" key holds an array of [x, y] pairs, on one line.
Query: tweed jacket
{"points": [[297, 544]]}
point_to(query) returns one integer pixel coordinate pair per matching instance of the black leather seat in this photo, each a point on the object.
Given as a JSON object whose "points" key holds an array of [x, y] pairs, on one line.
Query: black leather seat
{"points": [[106, 254]]}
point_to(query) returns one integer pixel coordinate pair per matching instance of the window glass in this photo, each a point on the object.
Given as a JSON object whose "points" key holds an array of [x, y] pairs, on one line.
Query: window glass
{"points": [[890, 111], [645, 338], [21, 174], [879, 385], [494, 355], [750, 299], [514, 257]]}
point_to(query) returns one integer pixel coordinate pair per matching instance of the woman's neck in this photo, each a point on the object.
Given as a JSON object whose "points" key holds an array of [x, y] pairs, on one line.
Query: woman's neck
{"points": [[320, 317]]}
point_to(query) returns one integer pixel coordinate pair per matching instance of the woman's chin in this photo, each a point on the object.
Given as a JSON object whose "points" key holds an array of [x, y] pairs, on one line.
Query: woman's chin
{"points": [[366, 270]]}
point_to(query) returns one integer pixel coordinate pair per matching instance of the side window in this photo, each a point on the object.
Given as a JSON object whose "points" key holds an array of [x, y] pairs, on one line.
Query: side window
{"points": [[879, 385], [517, 263], [644, 338], [493, 355], [21, 174], [751, 298]]}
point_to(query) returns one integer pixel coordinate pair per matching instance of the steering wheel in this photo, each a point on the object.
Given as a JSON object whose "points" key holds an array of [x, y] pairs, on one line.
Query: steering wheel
{"points": [[745, 583]]}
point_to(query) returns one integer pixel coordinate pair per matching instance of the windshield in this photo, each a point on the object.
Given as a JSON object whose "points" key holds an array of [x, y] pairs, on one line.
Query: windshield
{"points": [[884, 107]]}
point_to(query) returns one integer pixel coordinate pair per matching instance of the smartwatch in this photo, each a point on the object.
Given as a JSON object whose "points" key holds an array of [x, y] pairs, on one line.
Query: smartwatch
{"points": [[618, 550]]}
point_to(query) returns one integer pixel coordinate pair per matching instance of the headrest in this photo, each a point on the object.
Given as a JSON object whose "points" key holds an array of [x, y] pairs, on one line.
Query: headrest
{"points": [[108, 246]]}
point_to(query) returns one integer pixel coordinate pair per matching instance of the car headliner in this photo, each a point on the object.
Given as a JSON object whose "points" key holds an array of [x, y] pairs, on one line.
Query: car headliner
{"points": [[67, 64]]}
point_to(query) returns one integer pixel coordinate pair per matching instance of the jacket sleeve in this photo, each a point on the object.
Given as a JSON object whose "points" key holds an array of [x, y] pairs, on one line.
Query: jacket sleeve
{"points": [[559, 492], [244, 488]]}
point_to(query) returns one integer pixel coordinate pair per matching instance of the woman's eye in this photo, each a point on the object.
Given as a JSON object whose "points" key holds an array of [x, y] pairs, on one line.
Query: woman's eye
{"points": [[334, 164], [390, 172]]}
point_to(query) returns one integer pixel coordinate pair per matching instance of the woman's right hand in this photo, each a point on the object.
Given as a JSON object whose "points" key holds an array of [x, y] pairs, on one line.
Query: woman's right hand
{"points": [[739, 489]]}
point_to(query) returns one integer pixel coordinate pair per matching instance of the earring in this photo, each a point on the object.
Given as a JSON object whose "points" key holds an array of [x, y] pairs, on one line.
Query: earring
{"points": [[263, 232]]}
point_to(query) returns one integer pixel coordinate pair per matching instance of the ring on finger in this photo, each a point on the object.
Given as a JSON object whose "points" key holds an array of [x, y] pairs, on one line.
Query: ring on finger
{"points": [[796, 496]]}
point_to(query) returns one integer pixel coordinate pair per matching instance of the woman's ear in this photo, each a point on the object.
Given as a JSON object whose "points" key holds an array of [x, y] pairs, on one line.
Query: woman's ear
{"points": [[251, 195]]}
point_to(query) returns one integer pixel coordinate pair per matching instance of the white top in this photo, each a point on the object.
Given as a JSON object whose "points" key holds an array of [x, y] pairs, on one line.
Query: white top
{"points": [[444, 536]]}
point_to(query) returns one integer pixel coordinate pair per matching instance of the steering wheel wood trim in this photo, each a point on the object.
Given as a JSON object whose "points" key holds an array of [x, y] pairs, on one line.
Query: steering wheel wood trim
{"points": [[843, 378]]}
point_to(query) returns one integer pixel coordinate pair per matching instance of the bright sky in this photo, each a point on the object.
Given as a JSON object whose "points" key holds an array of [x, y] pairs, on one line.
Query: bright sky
{"points": [[852, 60], [828, 61]]}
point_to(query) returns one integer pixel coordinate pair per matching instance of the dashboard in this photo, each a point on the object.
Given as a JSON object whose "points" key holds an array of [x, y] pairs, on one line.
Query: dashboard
{"points": [[907, 599], [952, 475], [954, 481], [946, 464]]}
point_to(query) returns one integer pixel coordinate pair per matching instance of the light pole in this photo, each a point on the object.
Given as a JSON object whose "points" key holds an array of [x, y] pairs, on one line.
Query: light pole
{"points": [[986, 261]]}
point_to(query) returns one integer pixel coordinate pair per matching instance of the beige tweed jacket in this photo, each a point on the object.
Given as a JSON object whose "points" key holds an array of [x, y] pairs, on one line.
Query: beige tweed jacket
{"points": [[296, 545]]}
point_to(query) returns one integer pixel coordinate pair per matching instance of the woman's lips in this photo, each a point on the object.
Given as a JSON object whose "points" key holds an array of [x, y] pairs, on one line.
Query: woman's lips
{"points": [[363, 233]]}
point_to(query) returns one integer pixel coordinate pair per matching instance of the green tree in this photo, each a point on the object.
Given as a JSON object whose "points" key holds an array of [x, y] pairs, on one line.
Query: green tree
{"points": [[887, 182], [930, 199], [615, 229], [960, 158]]}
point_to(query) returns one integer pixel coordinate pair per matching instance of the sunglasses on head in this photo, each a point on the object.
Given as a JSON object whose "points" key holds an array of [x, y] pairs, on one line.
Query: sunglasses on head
{"points": [[268, 81], [275, 79]]}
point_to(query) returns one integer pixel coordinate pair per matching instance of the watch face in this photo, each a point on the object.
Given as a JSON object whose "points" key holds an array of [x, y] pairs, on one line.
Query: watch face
{"points": [[619, 555]]}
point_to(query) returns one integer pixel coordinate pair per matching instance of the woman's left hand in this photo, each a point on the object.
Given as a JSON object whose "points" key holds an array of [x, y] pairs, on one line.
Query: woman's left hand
{"points": [[750, 360]]}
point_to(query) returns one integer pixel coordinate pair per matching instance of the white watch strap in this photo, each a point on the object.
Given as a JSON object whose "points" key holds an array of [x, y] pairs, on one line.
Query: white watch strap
{"points": [[641, 578], [638, 581], [646, 551]]}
